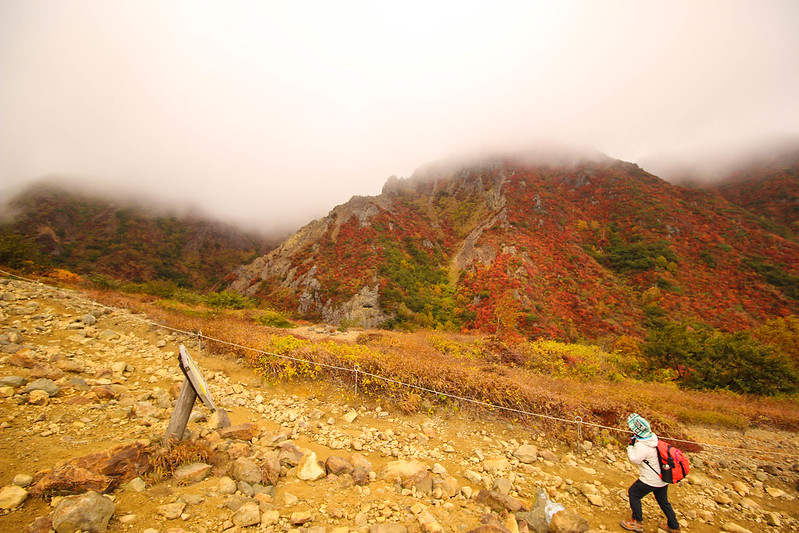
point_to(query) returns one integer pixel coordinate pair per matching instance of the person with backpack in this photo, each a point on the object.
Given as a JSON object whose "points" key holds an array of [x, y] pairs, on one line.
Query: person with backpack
{"points": [[643, 451]]}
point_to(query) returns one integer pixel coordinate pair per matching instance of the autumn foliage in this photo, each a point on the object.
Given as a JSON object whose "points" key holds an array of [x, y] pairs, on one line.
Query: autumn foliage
{"points": [[569, 252]]}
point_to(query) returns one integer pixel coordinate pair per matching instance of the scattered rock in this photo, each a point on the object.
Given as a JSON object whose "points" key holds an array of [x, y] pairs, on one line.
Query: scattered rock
{"points": [[595, 499], [43, 384], [244, 431], [428, 523], [43, 524], [43, 370], [309, 469], [290, 454], [219, 420], [499, 502], [38, 397], [270, 467], [526, 453], [226, 486], [568, 521], [248, 514], [774, 492], [270, 518], [338, 465], [192, 473], [22, 480], [385, 528], [12, 381], [722, 499], [245, 469], [136, 484], [171, 511], [19, 359], [12, 496], [89, 512], [71, 479], [301, 517], [399, 471], [731, 527]]}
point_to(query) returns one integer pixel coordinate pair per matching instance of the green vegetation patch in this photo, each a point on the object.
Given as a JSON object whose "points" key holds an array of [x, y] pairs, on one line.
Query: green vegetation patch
{"points": [[775, 275], [702, 358], [417, 289]]}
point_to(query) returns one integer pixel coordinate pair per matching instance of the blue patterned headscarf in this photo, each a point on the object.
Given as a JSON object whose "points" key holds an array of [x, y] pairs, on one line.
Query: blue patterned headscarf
{"points": [[639, 426]]}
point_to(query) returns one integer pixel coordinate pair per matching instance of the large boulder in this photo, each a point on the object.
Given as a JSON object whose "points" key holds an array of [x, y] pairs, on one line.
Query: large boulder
{"points": [[99, 471]]}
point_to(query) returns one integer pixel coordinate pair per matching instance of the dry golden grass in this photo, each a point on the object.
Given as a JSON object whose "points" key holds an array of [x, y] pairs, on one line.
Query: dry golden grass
{"points": [[165, 460], [459, 367]]}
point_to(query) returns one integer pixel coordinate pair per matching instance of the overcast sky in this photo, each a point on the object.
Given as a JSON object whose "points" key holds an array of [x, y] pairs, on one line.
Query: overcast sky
{"points": [[277, 111]]}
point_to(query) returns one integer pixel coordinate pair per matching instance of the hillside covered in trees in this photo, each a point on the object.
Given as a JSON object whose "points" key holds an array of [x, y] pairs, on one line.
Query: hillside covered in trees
{"points": [[50, 227], [542, 248]]}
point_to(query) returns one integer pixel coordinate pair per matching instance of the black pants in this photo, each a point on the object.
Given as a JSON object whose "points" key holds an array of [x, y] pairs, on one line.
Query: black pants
{"points": [[639, 489]]}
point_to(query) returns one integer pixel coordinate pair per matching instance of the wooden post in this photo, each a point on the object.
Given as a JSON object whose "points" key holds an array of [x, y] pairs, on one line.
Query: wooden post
{"points": [[180, 416]]}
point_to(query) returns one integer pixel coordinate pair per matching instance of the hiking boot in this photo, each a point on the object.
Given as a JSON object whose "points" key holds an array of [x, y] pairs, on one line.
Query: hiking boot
{"points": [[665, 527], [632, 525]]}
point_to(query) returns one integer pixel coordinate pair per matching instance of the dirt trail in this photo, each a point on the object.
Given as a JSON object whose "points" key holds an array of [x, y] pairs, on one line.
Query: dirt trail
{"points": [[139, 362]]}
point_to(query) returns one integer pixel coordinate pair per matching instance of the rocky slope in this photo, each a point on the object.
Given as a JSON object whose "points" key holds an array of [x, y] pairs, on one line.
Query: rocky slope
{"points": [[549, 249], [77, 379]]}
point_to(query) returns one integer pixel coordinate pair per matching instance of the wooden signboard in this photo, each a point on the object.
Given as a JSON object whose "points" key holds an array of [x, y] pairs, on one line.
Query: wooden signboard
{"points": [[194, 386]]}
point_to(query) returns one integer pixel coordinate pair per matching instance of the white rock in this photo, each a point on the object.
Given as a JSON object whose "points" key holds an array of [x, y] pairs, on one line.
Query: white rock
{"points": [[136, 484], [22, 480], [308, 468], [428, 523], [595, 499], [731, 527], [774, 492], [270, 518], [12, 496]]}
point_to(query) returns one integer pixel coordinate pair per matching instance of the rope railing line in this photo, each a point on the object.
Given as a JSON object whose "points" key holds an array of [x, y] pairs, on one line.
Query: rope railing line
{"points": [[358, 371]]}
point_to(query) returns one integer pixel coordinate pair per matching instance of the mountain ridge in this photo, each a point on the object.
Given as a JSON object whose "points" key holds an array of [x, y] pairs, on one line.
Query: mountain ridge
{"points": [[544, 248], [93, 235]]}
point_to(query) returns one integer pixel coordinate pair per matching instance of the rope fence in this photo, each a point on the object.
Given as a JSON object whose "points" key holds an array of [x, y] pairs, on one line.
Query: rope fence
{"points": [[358, 372]]}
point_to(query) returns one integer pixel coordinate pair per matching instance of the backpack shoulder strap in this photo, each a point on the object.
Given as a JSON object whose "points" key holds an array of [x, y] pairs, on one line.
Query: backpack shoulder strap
{"points": [[650, 466]]}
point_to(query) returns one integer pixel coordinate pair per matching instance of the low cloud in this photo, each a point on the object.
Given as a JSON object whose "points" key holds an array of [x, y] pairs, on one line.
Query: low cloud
{"points": [[271, 114]]}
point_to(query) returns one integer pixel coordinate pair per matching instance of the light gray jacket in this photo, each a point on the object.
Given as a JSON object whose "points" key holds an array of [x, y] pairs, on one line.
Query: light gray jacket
{"points": [[645, 450]]}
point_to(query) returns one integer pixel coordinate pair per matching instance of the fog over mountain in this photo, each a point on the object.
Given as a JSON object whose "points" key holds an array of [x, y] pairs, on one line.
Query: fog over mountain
{"points": [[271, 113]]}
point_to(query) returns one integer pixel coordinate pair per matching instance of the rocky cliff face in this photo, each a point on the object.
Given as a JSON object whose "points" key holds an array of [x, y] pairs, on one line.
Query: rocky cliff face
{"points": [[586, 247]]}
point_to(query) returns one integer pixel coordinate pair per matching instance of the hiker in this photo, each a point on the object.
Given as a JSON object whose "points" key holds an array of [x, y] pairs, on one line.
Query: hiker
{"points": [[642, 452]]}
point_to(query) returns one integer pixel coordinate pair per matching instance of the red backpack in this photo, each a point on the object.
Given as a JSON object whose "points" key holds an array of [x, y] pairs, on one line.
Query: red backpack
{"points": [[674, 465]]}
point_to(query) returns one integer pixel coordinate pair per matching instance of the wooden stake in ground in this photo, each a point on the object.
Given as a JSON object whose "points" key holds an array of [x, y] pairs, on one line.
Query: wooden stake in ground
{"points": [[194, 386]]}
